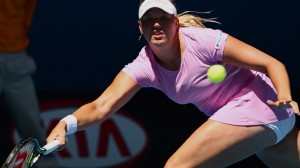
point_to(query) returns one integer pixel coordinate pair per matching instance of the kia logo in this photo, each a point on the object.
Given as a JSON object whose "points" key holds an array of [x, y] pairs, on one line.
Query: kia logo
{"points": [[116, 141]]}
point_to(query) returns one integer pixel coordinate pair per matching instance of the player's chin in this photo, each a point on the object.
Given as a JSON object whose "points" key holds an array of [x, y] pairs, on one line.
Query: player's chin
{"points": [[158, 42]]}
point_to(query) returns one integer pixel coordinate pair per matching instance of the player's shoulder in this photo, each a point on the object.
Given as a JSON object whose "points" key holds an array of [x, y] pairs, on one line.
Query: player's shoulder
{"points": [[145, 56], [196, 32], [145, 52]]}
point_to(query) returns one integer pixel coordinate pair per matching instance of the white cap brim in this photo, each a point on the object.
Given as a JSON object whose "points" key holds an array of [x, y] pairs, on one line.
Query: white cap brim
{"points": [[164, 5]]}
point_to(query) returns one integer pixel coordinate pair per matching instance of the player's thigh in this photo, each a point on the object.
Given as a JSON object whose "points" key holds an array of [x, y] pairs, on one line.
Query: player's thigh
{"points": [[284, 154], [215, 144]]}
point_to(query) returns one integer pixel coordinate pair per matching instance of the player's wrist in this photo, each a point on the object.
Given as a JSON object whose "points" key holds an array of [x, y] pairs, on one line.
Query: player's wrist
{"points": [[71, 124]]}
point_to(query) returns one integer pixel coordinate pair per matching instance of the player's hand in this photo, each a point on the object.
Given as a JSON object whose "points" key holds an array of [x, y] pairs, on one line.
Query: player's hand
{"points": [[284, 104], [58, 133]]}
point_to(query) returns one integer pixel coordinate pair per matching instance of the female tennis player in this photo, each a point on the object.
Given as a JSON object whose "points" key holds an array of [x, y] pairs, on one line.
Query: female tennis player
{"points": [[251, 112]]}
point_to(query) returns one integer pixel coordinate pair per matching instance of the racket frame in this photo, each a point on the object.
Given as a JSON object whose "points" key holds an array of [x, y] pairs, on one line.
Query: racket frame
{"points": [[34, 155]]}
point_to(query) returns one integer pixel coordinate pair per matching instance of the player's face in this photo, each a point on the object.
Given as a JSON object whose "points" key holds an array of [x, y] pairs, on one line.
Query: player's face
{"points": [[158, 27]]}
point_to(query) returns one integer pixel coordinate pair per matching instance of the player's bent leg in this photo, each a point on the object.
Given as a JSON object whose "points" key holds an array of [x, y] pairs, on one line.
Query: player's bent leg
{"points": [[284, 154], [216, 144]]}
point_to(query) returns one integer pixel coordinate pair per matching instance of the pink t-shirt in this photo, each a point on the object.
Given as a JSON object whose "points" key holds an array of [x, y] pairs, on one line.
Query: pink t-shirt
{"points": [[239, 100]]}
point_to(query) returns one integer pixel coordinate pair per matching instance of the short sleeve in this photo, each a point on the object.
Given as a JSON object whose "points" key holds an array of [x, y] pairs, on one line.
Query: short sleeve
{"points": [[207, 43], [140, 70], [219, 46], [214, 44]]}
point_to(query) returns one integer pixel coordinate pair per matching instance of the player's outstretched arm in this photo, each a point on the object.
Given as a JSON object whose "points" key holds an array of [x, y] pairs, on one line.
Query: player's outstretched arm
{"points": [[118, 93], [249, 57]]}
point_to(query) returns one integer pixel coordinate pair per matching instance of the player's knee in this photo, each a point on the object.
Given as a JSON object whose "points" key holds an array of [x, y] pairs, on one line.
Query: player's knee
{"points": [[176, 163], [170, 163]]}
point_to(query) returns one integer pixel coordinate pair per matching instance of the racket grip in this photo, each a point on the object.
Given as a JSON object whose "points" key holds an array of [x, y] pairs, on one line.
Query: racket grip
{"points": [[50, 147]]}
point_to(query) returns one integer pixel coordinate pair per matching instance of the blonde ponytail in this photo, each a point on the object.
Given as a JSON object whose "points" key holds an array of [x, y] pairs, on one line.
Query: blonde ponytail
{"points": [[186, 19]]}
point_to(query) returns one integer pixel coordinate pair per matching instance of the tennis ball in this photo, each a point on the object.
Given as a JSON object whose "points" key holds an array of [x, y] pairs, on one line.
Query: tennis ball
{"points": [[216, 73]]}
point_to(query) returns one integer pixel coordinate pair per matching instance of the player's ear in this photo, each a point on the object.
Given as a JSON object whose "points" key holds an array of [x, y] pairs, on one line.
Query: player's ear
{"points": [[140, 26], [141, 30], [177, 23]]}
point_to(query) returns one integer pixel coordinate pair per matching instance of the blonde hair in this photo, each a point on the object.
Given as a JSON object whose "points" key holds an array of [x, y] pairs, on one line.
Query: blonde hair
{"points": [[186, 19]]}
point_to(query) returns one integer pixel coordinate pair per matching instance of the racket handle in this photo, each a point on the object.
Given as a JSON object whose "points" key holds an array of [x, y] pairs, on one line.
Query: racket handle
{"points": [[50, 147]]}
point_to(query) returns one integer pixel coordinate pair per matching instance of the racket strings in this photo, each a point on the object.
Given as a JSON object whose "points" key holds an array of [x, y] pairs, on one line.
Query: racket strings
{"points": [[23, 157]]}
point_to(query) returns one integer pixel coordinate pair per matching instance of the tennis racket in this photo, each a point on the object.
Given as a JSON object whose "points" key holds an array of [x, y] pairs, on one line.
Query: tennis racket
{"points": [[27, 152]]}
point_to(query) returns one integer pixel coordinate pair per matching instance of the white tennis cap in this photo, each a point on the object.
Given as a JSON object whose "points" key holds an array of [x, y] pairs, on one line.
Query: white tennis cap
{"points": [[164, 5]]}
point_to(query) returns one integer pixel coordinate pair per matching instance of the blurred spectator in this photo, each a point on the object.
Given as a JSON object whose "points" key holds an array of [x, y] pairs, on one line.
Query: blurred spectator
{"points": [[17, 92]]}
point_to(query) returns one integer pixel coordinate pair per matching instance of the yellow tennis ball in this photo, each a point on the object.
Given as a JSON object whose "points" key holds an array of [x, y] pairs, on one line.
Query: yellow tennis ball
{"points": [[216, 73]]}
